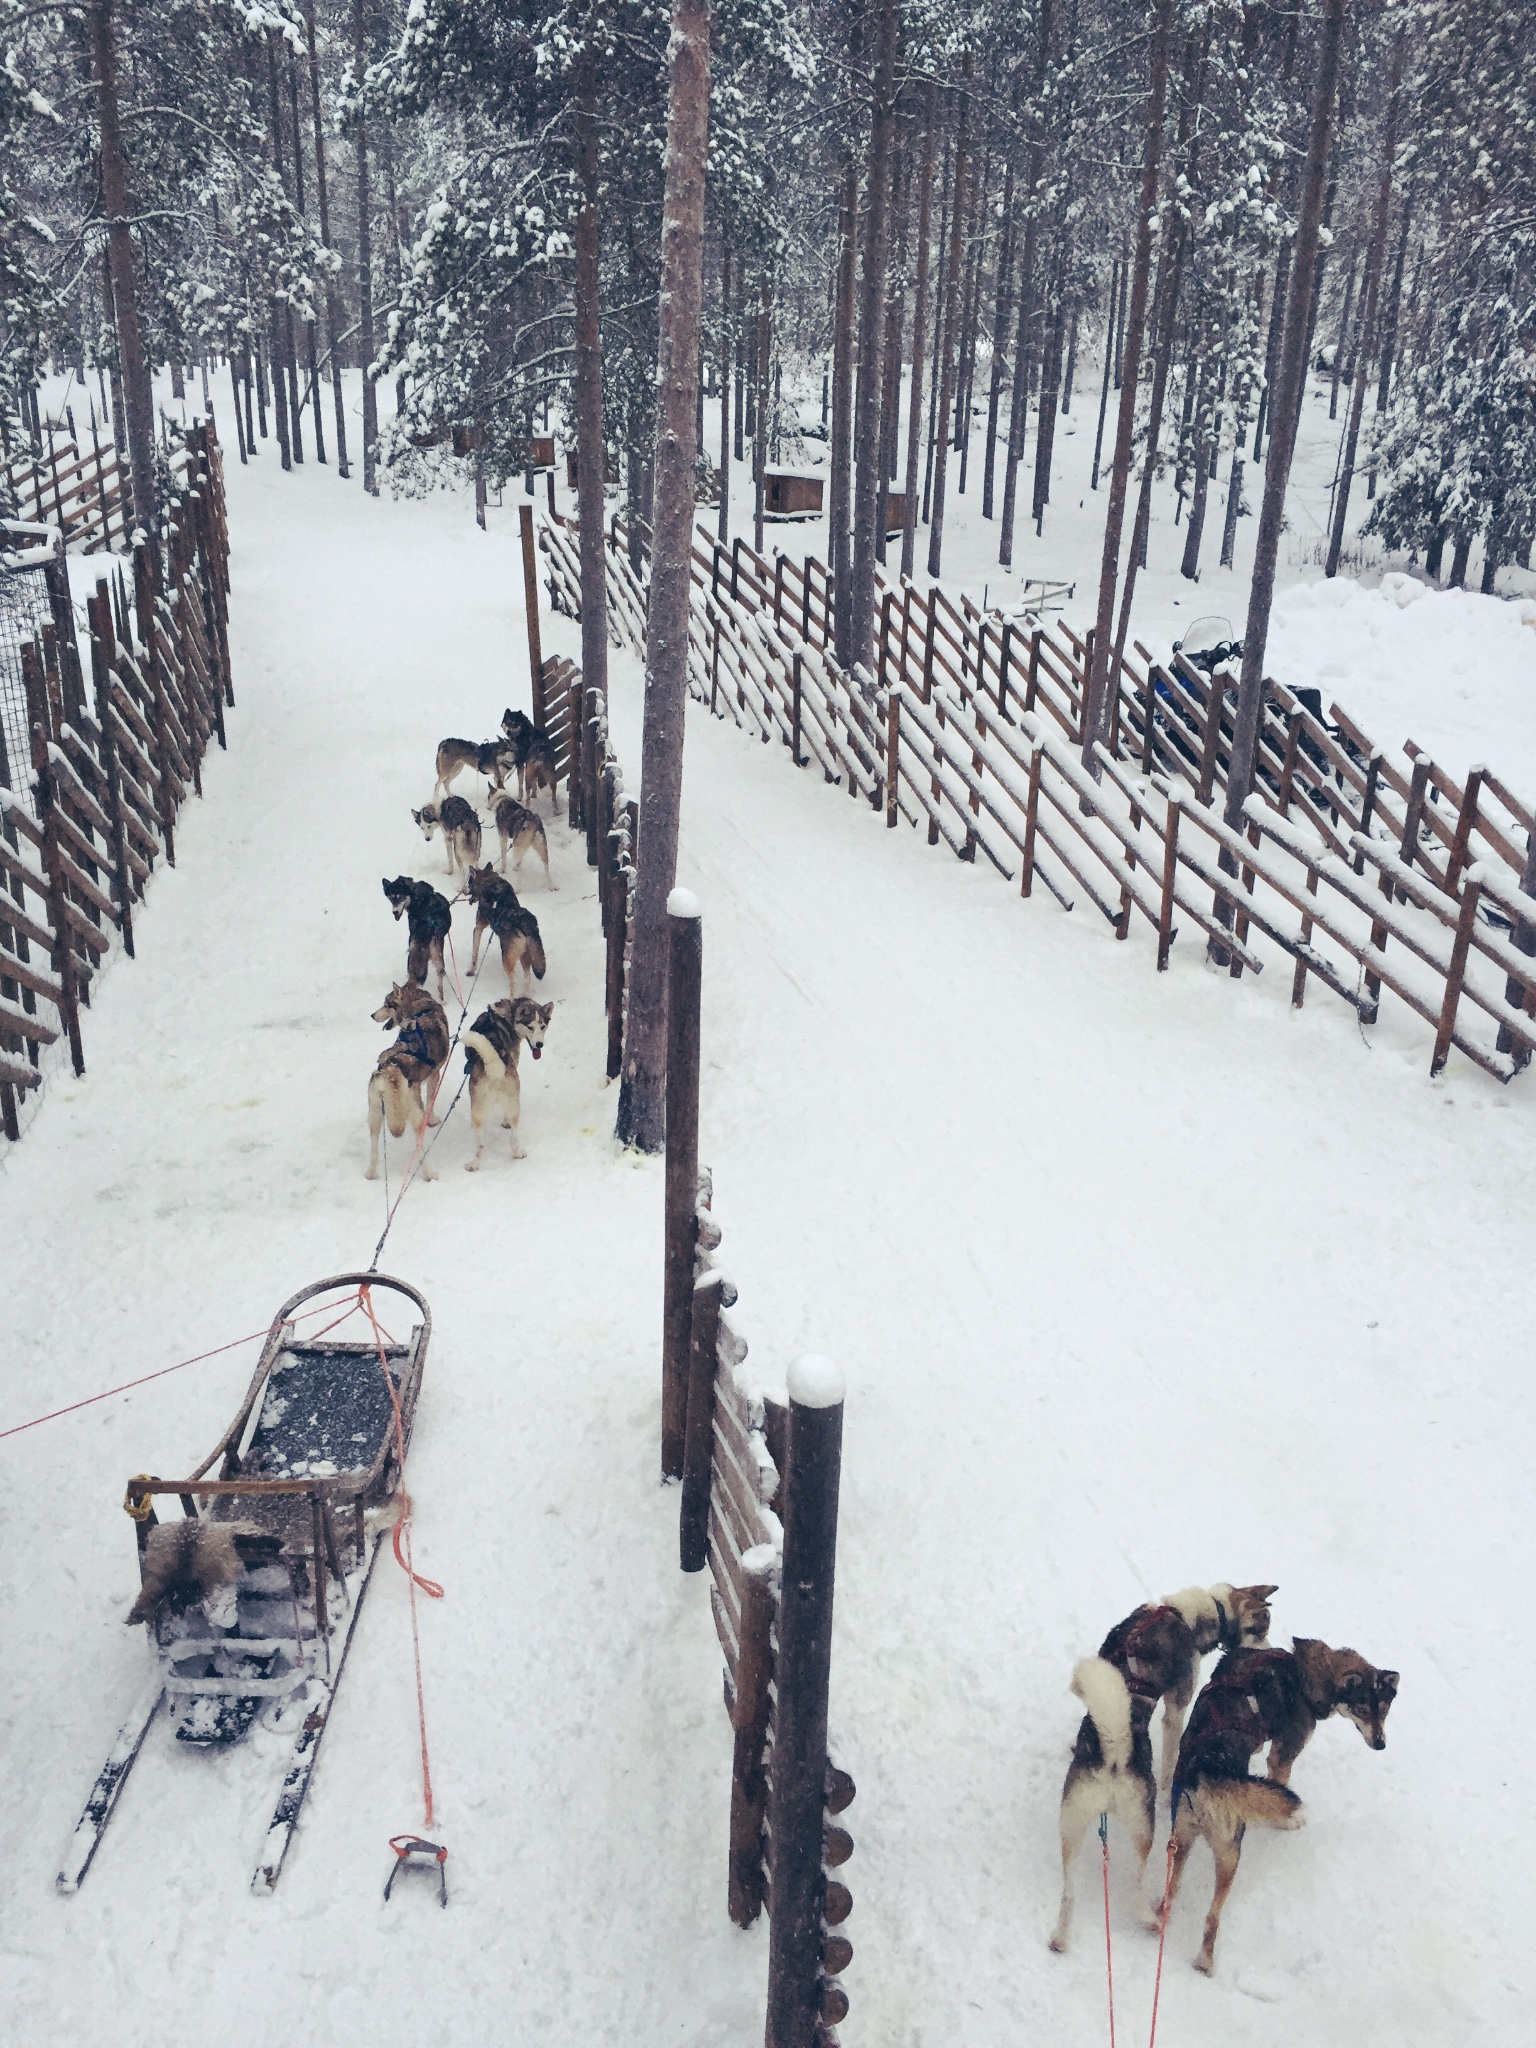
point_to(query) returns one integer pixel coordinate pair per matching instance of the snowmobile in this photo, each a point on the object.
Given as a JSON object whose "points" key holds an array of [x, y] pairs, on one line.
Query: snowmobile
{"points": [[251, 1596]]}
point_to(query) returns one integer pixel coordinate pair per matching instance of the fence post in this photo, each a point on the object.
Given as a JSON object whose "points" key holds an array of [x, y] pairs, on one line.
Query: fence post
{"points": [[794, 713], [531, 608], [798, 1994], [685, 961], [1170, 874], [711, 1292], [1031, 822], [749, 1719], [892, 754], [70, 977], [1464, 824], [1455, 976]]}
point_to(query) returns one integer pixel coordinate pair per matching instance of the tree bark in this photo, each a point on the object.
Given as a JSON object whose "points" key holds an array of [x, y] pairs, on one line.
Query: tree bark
{"points": [[869, 470], [951, 314], [1001, 315], [365, 274], [642, 1092], [763, 356], [1165, 311], [839, 494], [1018, 402], [322, 200], [1293, 368], [919, 337], [138, 405], [726, 357], [1109, 350], [591, 467], [1370, 293], [1097, 694]]}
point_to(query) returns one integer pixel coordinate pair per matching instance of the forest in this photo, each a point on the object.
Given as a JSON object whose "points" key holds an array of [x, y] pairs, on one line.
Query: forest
{"points": [[917, 217]]}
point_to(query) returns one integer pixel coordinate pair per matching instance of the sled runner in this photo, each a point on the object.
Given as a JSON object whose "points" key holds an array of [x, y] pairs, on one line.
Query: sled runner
{"points": [[251, 1597]]}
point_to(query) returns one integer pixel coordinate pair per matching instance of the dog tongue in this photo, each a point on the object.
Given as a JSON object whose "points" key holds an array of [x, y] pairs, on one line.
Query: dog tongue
{"points": [[537, 1051]]}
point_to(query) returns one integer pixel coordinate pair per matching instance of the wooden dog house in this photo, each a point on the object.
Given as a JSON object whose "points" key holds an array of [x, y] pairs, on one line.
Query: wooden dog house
{"points": [[789, 494]]}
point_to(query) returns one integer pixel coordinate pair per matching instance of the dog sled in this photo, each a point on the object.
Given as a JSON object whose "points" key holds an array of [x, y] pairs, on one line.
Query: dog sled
{"points": [[251, 1597]]}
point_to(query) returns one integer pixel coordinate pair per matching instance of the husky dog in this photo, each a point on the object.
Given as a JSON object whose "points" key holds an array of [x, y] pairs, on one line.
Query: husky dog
{"points": [[535, 754], [186, 1563], [418, 1055], [1154, 1654], [491, 1048], [460, 828], [497, 909], [431, 917], [1254, 1697], [520, 829], [490, 758]]}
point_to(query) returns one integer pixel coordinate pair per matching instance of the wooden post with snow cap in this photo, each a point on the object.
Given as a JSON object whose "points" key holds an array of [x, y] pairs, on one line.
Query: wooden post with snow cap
{"points": [[685, 963], [531, 607], [711, 1292], [801, 2000]]}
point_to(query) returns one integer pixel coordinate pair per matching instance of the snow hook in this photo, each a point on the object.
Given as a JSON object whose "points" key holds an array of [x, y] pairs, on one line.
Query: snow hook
{"points": [[414, 1851]]}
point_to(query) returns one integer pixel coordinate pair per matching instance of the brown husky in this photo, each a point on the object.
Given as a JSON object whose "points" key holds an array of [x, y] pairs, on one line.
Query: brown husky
{"points": [[535, 755], [1254, 1697], [520, 829], [490, 758], [417, 1056], [497, 909], [491, 1049], [460, 828], [1154, 1654]]}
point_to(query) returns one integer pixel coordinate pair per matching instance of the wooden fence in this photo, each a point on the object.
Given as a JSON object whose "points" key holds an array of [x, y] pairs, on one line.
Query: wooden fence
{"points": [[85, 493], [1366, 871], [85, 816]]}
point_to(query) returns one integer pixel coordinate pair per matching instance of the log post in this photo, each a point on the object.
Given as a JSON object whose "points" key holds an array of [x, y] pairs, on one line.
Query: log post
{"points": [[1455, 976], [749, 1718], [1521, 995], [892, 755], [797, 1804], [70, 978], [1299, 978], [1031, 822], [1465, 821], [1032, 686], [794, 713], [531, 609], [573, 754], [1165, 932], [711, 1292], [100, 616], [685, 960], [1413, 812]]}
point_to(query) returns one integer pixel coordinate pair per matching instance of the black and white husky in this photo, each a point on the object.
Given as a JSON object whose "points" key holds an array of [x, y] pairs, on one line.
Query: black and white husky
{"points": [[491, 1050], [459, 825]]}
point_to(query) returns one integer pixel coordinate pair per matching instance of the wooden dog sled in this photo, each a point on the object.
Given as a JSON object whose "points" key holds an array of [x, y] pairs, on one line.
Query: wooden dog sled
{"points": [[307, 1473]]}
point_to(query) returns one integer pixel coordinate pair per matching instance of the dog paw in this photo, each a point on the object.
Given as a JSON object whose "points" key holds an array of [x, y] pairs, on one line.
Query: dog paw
{"points": [[518, 1152], [1058, 1944], [372, 1173], [471, 1166], [1205, 1964]]}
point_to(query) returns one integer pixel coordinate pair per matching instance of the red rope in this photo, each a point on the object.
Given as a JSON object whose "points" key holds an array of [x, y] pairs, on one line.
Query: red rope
{"points": [[405, 1560], [1109, 1953], [145, 1378], [1162, 1936]]}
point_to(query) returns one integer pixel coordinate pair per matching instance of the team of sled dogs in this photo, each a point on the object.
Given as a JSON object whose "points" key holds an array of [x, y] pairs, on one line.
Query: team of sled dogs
{"points": [[1257, 1695], [409, 1073]]}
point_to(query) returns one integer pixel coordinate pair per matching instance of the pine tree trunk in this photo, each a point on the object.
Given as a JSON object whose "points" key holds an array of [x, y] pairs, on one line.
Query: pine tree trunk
{"points": [[839, 483], [969, 322], [365, 275], [764, 354], [1018, 399], [1339, 345], [1001, 314], [322, 201], [1272, 348], [1388, 348], [591, 462], [1369, 295], [1097, 693], [137, 405], [940, 339], [1109, 350], [895, 321], [1165, 318], [642, 1094], [919, 338], [1066, 387], [1293, 368], [869, 473], [726, 356], [951, 315]]}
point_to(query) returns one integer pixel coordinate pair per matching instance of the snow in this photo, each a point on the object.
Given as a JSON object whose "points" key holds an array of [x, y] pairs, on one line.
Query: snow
{"points": [[683, 903], [1137, 1280], [815, 1382]]}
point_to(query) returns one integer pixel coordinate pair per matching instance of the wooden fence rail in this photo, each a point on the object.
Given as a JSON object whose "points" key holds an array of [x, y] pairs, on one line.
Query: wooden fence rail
{"points": [[91, 804], [1368, 872]]}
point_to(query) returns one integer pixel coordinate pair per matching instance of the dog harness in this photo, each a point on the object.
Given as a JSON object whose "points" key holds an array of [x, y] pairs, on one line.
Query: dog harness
{"points": [[413, 1040], [1132, 1648]]}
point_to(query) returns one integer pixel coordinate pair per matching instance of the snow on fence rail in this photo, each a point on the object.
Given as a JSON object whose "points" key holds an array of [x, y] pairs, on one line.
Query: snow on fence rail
{"points": [[90, 784], [85, 493], [1368, 871]]}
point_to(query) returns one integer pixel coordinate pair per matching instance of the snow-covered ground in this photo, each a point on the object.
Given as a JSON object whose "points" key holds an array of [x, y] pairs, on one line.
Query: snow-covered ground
{"points": [[1136, 1280]]}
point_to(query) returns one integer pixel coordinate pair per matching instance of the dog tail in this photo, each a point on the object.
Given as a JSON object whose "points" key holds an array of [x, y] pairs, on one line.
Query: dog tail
{"points": [[1248, 1802], [485, 1052], [536, 955], [1107, 1698]]}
